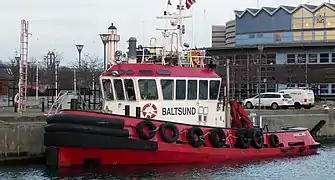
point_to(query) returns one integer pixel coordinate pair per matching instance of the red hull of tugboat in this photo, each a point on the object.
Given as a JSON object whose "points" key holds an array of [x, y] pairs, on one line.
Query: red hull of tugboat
{"points": [[135, 151]]}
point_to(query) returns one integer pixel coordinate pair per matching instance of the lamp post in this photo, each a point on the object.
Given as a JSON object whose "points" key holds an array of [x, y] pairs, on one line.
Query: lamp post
{"points": [[79, 48], [104, 39], [260, 50], [227, 118]]}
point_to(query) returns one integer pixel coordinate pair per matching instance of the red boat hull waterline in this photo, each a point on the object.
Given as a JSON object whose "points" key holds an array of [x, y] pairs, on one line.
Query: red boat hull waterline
{"points": [[66, 149]]}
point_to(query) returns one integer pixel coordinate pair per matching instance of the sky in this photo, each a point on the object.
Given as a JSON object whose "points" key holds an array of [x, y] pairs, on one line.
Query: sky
{"points": [[60, 24]]}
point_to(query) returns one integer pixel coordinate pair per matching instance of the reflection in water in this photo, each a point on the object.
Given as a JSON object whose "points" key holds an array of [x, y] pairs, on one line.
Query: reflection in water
{"points": [[314, 167]]}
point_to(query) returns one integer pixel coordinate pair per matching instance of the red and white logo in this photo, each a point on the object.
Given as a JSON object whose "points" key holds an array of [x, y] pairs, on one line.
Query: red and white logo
{"points": [[149, 110]]}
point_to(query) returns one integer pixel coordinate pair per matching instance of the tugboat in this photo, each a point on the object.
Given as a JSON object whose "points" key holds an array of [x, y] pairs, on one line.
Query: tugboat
{"points": [[163, 111]]}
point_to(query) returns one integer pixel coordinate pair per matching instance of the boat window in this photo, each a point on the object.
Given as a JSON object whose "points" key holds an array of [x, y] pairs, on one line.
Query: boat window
{"points": [[107, 88], [167, 88], [163, 72], [130, 89], [180, 89], [130, 72], [203, 89], [214, 88], [143, 71], [148, 89], [192, 89], [118, 89]]}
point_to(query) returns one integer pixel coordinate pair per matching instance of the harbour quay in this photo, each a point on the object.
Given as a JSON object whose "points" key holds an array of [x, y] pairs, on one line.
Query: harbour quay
{"points": [[21, 137]]}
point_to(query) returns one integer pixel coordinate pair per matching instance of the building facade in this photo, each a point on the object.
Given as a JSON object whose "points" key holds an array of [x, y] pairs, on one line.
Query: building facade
{"points": [[286, 24], [218, 35], [279, 66], [289, 47], [223, 35]]}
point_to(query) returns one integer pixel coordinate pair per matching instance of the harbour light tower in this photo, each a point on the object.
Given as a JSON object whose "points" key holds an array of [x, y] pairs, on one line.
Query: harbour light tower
{"points": [[114, 38]]}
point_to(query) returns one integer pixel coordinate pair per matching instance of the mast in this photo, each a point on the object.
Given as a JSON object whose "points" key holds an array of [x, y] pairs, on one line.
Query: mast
{"points": [[180, 29]]}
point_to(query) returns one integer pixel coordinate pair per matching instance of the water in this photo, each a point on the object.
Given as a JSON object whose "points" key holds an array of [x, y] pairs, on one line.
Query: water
{"points": [[316, 167]]}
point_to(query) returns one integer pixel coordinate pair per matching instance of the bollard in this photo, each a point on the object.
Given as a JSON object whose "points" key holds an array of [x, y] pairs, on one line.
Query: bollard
{"points": [[74, 103], [15, 106], [43, 105], [138, 112], [127, 110]]}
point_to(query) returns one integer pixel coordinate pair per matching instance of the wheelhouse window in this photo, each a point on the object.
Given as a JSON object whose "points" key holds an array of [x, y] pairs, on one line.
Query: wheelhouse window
{"points": [[118, 89], [108, 90], [167, 88], [180, 89], [203, 89], [214, 88], [192, 89], [130, 89], [148, 89]]}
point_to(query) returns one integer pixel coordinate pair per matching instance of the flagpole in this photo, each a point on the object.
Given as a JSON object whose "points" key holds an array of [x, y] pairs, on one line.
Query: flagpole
{"points": [[193, 30]]}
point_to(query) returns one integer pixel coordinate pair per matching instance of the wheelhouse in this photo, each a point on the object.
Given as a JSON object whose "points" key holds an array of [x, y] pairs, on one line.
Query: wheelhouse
{"points": [[169, 92]]}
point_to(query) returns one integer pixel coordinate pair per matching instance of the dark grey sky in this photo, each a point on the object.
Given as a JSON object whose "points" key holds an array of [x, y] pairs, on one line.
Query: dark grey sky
{"points": [[60, 24]]}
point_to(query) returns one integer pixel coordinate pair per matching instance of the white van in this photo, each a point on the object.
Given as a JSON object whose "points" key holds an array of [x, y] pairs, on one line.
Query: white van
{"points": [[301, 97]]}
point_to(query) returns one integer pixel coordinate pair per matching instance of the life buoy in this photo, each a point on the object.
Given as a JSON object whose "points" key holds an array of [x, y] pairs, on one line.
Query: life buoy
{"points": [[151, 130], [149, 110], [242, 138], [166, 137], [257, 138], [217, 137], [274, 141], [195, 136]]}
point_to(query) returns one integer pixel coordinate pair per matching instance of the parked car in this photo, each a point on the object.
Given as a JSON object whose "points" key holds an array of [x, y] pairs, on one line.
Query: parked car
{"points": [[275, 100], [302, 97]]}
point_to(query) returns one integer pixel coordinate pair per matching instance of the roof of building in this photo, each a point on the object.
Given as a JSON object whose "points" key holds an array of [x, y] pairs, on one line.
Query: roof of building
{"points": [[5, 72], [159, 70], [289, 9]]}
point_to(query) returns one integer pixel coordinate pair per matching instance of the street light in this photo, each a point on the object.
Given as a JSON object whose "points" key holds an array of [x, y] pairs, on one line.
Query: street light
{"points": [[79, 48], [260, 49], [104, 39]]}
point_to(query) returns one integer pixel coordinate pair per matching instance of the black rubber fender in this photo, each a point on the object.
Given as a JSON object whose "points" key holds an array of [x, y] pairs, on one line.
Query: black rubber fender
{"points": [[191, 133], [140, 129], [86, 120], [81, 140], [171, 127], [217, 137], [242, 138], [257, 140], [274, 141], [78, 128]]}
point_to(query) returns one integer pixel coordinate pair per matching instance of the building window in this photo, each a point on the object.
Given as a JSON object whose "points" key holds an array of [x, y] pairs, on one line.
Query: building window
{"points": [[330, 21], [308, 35], [333, 57], [319, 35], [297, 36], [277, 37], [324, 58], [251, 36], [333, 88], [180, 89], [324, 89], [192, 89], [203, 90], [301, 58], [308, 23], [290, 59], [312, 58], [330, 35], [259, 35], [148, 89], [167, 88]]}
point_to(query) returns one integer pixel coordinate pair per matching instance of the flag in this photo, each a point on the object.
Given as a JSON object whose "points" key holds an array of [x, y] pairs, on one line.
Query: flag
{"points": [[169, 3], [189, 3]]}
